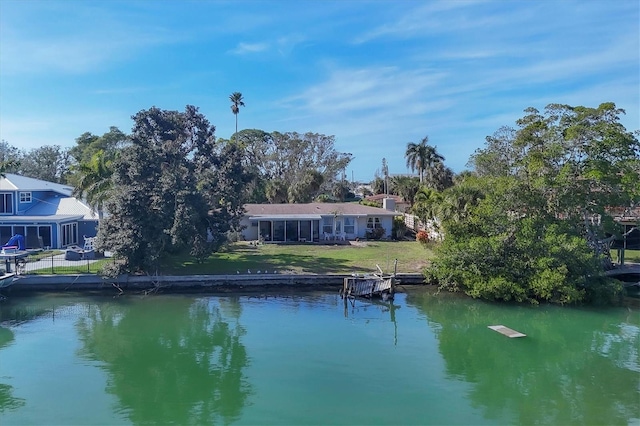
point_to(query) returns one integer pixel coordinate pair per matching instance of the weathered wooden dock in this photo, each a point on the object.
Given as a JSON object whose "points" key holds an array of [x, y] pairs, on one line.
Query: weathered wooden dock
{"points": [[368, 286], [371, 285]]}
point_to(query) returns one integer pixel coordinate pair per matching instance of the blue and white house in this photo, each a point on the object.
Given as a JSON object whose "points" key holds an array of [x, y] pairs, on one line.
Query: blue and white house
{"points": [[45, 213]]}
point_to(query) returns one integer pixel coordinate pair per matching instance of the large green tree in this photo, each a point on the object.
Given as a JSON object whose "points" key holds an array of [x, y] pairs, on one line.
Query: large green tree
{"points": [[174, 188], [291, 166], [526, 227], [9, 158], [88, 144], [49, 162]]}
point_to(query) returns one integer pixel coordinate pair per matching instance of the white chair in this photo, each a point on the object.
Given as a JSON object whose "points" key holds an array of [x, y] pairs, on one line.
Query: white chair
{"points": [[342, 236], [326, 236]]}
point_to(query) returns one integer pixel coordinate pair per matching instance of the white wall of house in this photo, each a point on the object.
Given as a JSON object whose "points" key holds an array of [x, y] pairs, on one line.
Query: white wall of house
{"points": [[249, 232]]}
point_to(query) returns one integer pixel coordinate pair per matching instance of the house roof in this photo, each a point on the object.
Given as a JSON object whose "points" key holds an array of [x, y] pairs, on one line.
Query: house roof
{"points": [[11, 182], [61, 206], [313, 210], [31, 220]]}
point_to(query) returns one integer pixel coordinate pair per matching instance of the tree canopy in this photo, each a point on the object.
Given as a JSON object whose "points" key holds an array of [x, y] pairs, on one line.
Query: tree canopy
{"points": [[290, 167], [525, 226], [174, 188]]}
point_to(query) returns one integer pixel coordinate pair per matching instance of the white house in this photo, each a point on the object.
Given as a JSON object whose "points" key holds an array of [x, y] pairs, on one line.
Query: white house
{"points": [[314, 222]]}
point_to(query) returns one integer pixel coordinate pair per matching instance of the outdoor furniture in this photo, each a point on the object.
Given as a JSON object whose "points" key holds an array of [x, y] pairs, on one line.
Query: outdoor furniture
{"points": [[342, 236], [326, 236], [71, 254]]}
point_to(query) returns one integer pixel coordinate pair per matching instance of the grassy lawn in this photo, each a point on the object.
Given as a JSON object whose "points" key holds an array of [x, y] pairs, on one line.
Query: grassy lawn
{"points": [[307, 258], [630, 256]]}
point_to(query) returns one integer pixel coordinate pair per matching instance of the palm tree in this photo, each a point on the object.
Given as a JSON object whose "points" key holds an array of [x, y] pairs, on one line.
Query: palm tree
{"points": [[405, 186], [236, 103], [94, 181], [422, 156]]}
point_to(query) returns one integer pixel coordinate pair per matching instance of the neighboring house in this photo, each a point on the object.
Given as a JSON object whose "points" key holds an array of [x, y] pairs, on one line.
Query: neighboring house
{"points": [[43, 212], [630, 219], [315, 222]]}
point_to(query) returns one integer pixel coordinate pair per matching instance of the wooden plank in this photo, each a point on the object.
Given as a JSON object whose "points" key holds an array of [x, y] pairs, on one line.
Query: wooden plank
{"points": [[506, 331]]}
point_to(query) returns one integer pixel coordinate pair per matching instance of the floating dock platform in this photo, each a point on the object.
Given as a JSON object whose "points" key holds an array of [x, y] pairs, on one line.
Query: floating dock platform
{"points": [[506, 331]]}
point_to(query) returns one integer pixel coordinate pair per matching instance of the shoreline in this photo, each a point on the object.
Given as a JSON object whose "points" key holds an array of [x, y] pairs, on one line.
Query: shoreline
{"points": [[92, 282]]}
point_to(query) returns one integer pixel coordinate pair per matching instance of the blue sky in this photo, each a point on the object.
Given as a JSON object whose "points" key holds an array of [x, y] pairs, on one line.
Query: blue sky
{"points": [[375, 74]]}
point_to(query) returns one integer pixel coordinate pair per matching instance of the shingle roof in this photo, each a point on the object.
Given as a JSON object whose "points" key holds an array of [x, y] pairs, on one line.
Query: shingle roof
{"points": [[351, 209], [13, 182]]}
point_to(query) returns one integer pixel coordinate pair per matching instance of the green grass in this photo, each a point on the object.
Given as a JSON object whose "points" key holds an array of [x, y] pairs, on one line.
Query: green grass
{"points": [[631, 256], [79, 268], [306, 258]]}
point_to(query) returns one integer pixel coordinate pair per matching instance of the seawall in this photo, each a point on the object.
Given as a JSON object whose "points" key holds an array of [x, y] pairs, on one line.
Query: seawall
{"points": [[242, 282]]}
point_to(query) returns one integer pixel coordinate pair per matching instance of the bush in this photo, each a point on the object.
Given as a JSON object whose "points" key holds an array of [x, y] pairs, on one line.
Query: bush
{"points": [[422, 237], [399, 228], [375, 233]]}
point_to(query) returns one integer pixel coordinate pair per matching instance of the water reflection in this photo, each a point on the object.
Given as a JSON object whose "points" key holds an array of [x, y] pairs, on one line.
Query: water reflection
{"points": [[7, 400], [171, 360], [351, 308], [575, 366]]}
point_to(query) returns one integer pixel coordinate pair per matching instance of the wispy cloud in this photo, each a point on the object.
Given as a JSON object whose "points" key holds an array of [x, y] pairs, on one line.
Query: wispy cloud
{"points": [[356, 91], [442, 16], [90, 41], [248, 48]]}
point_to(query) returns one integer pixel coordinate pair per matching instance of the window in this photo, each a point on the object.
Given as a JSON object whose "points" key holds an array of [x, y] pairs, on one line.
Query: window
{"points": [[25, 197], [69, 234], [374, 223], [327, 225], [349, 225], [6, 203]]}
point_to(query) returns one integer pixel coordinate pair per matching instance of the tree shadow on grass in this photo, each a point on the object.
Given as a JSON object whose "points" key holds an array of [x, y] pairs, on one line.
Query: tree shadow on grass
{"points": [[250, 260]]}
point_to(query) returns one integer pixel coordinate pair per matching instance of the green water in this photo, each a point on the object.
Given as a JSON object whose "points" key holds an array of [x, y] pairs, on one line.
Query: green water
{"points": [[305, 359]]}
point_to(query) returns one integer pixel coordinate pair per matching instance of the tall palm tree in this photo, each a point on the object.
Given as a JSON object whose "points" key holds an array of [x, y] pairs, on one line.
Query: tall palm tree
{"points": [[236, 103], [422, 156]]}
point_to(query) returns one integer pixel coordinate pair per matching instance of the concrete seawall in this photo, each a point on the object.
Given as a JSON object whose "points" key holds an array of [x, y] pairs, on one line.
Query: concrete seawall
{"points": [[61, 283]]}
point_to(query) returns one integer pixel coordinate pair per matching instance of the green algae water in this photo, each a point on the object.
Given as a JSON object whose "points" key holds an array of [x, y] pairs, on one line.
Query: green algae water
{"points": [[306, 358]]}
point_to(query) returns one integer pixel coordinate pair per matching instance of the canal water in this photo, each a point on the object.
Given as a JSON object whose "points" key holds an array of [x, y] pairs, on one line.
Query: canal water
{"points": [[297, 359]]}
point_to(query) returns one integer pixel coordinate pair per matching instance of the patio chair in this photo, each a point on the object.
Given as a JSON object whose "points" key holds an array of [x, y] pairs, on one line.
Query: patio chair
{"points": [[327, 236]]}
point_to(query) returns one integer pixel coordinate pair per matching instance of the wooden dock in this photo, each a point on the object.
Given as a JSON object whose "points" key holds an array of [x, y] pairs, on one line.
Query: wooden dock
{"points": [[506, 331], [368, 286]]}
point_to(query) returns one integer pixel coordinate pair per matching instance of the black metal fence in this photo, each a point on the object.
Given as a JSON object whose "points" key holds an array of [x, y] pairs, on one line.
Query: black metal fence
{"points": [[54, 264]]}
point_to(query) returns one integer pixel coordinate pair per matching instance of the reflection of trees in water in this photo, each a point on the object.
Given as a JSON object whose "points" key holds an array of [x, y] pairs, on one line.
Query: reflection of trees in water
{"points": [[576, 366], [7, 400], [171, 360]]}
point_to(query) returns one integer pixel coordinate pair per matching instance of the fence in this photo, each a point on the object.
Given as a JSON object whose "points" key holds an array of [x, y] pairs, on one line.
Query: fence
{"points": [[413, 222], [54, 263]]}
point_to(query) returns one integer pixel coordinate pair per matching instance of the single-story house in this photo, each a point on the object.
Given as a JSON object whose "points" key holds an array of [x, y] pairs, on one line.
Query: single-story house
{"points": [[45, 213], [314, 222]]}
